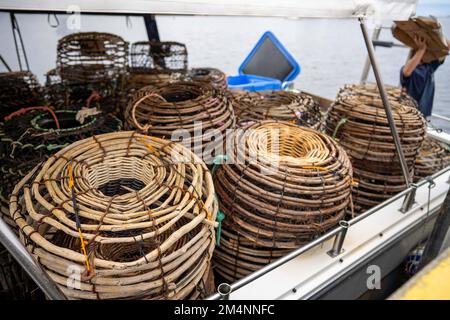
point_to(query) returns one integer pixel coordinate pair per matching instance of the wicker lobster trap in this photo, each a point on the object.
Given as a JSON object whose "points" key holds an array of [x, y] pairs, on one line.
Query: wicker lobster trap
{"points": [[195, 111], [433, 156], [298, 108], [74, 95], [136, 81], [214, 77], [281, 186], [133, 216], [18, 89], [358, 121], [155, 56], [92, 57]]}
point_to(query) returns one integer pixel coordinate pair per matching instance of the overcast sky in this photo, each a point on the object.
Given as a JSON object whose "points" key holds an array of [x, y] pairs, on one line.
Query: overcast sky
{"points": [[434, 7]]}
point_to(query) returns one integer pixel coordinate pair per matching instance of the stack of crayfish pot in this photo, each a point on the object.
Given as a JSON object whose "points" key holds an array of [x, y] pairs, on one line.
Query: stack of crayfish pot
{"points": [[132, 215], [88, 62], [433, 156], [358, 121], [298, 108], [193, 112], [281, 186]]}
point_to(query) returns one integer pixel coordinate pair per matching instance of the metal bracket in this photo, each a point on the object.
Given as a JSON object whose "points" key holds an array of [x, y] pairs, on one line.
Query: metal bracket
{"points": [[410, 199], [339, 240]]}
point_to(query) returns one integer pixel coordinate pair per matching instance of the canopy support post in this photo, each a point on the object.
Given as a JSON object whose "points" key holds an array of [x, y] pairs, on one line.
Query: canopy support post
{"points": [[387, 108], [365, 73], [151, 27]]}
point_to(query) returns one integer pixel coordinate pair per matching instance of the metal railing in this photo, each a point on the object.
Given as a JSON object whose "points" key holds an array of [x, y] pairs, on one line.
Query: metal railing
{"points": [[339, 233]]}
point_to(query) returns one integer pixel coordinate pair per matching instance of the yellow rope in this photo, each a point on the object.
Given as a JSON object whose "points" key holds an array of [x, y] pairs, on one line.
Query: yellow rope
{"points": [[83, 248], [71, 182], [208, 213], [83, 245]]}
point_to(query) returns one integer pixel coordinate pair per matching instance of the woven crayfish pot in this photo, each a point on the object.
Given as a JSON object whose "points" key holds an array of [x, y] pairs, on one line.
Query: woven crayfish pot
{"points": [[92, 57], [131, 215], [298, 108], [433, 156], [17, 90], [213, 76], [155, 63], [195, 113], [74, 95], [358, 121], [165, 56], [281, 186], [135, 81]]}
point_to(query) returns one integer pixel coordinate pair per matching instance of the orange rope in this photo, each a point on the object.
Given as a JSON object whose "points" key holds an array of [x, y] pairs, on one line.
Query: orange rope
{"points": [[94, 96], [25, 110]]}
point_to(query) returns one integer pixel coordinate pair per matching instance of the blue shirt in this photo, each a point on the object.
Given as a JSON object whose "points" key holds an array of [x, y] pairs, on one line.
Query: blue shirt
{"points": [[420, 85]]}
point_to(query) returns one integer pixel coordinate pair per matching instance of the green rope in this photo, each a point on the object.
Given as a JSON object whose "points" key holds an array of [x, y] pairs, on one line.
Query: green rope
{"points": [[339, 125], [219, 219], [218, 160], [51, 147]]}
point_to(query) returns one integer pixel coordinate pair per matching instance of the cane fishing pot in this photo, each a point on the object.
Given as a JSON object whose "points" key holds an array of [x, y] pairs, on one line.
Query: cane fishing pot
{"points": [[191, 112], [155, 63], [357, 120], [433, 156], [133, 214], [298, 108], [164, 56], [74, 95], [91, 57], [212, 76], [17, 90], [281, 186]]}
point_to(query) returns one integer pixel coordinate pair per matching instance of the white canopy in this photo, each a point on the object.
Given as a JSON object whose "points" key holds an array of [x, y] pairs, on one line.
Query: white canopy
{"points": [[378, 9]]}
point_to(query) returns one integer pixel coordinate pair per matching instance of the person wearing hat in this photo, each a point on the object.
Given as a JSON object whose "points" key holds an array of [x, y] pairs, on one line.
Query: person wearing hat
{"points": [[417, 77]]}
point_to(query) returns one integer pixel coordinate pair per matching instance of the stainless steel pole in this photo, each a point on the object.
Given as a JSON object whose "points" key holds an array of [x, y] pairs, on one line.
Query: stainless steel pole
{"points": [[339, 240], [24, 258], [365, 74], [387, 108]]}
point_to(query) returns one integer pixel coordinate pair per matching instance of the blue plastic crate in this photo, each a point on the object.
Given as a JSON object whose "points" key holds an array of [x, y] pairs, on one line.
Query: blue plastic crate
{"points": [[253, 83], [267, 67]]}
